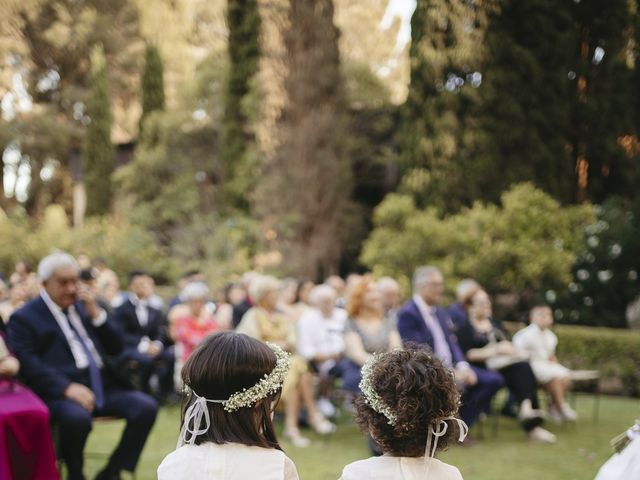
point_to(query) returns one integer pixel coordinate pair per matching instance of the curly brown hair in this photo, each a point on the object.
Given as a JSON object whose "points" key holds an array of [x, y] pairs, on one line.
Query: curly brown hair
{"points": [[420, 390]]}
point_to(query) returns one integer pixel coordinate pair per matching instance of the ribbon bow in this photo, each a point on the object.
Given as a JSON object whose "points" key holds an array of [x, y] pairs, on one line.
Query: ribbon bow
{"points": [[193, 416], [439, 431]]}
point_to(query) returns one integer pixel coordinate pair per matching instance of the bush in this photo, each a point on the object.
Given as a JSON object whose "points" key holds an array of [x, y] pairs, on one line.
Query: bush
{"points": [[528, 242], [124, 246], [615, 353], [606, 275]]}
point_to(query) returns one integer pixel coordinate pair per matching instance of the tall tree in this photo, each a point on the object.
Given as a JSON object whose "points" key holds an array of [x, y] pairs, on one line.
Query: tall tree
{"points": [[303, 195], [244, 22], [152, 83], [602, 119], [526, 97], [98, 151], [445, 57]]}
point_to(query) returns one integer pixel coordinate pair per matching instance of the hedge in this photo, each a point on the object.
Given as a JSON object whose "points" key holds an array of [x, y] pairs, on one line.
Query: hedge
{"points": [[613, 352]]}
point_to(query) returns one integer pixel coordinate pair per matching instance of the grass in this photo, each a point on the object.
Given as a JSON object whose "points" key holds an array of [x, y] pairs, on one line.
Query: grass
{"points": [[505, 454]]}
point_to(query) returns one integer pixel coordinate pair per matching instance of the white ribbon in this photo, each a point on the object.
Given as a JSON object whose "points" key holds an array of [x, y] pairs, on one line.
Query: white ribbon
{"points": [[196, 411], [440, 430]]}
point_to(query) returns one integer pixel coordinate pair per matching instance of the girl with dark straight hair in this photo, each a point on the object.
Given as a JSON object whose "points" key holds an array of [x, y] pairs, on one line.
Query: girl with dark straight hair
{"points": [[232, 385]]}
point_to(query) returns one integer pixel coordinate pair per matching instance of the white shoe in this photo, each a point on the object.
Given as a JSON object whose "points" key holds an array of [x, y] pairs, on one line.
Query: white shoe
{"points": [[569, 413], [556, 415], [326, 407], [541, 435], [296, 439], [321, 425]]}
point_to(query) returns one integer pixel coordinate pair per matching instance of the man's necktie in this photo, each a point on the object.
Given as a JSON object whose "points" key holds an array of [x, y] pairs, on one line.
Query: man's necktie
{"points": [[95, 377]]}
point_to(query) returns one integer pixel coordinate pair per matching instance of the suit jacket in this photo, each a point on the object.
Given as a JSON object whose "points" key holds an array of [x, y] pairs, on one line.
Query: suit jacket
{"points": [[127, 320], [413, 328], [46, 362], [458, 314]]}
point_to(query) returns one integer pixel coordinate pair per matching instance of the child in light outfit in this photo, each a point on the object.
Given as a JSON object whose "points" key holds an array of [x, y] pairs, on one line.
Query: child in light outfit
{"points": [[539, 343], [233, 383], [409, 407]]}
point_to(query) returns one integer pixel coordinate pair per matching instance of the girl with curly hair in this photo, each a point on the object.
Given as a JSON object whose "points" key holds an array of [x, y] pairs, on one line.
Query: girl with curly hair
{"points": [[409, 406]]}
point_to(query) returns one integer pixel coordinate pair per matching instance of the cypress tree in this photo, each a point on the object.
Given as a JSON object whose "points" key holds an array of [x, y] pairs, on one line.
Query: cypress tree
{"points": [[152, 83], [243, 19], [445, 54], [98, 151]]}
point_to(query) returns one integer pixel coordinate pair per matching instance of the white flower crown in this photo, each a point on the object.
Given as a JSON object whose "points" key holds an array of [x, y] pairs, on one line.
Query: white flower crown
{"points": [[267, 385], [371, 397]]}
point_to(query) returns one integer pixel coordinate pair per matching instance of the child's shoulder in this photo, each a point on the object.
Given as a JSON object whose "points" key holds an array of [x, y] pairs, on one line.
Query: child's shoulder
{"points": [[387, 467]]}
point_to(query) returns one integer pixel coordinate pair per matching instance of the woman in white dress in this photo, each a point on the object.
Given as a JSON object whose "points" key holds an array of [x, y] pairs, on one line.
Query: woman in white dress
{"points": [[233, 383], [539, 343], [409, 406]]}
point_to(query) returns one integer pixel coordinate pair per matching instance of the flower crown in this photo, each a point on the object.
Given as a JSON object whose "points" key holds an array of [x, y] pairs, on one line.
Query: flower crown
{"points": [[267, 385], [371, 397]]}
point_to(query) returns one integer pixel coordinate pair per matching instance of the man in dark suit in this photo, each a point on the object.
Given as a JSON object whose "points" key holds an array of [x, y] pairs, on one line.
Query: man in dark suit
{"points": [[145, 337], [421, 321], [62, 339]]}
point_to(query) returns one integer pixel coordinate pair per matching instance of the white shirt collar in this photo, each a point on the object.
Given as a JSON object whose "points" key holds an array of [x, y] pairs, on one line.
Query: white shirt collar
{"points": [[422, 305]]}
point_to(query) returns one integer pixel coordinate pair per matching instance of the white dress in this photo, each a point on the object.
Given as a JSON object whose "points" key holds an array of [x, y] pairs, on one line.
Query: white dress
{"points": [[399, 468], [210, 461], [626, 464], [539, 346]]}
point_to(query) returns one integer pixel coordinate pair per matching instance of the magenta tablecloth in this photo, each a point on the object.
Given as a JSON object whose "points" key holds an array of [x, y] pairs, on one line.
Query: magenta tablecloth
{"points": [[26, 447]]}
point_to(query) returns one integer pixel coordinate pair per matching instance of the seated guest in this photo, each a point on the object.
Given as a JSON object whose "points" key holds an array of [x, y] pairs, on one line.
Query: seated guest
{"points": [[538, 342], [189, 277], [321, 330], [338, 284], [321, 341], [229, 296], [391, 296], [367, 331], [17, 297], [107, 283], [457, 310], [145, 339], [486, 346], [410, 406], [26, 448], [239, 309], [191, 321], [421, 321], [266, 323], [62, 339]]}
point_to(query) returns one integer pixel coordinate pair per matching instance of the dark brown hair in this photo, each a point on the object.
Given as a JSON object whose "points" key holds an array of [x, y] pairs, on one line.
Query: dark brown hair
{"points": [[224, 364], [420, 391]]}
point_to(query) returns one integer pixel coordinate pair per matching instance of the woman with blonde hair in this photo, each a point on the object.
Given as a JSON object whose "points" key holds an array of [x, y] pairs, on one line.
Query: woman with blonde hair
{"points": [[266, 322]]}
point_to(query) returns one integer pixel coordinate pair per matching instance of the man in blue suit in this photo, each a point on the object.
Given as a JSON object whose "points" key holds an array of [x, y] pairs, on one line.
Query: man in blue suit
{"points": [[63, 339], [145, 337], [421, 321]]}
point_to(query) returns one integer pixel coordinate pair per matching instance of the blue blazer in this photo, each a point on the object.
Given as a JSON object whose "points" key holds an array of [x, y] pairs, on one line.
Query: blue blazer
{"points": [[46, 363], [413, 328], [127, 320]]}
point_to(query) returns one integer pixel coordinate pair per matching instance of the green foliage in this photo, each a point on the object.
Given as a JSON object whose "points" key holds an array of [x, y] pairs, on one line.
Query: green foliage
{"points": [[526, 101], [438, 116], [172, 175], [152, 83], [605, 276], [527, 243], [98, 151], [613, 352], [124, 246], [243, 19]]}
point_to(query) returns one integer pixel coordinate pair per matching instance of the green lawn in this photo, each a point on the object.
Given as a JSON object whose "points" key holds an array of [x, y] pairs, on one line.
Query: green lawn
{"points": [[504, 454]]}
